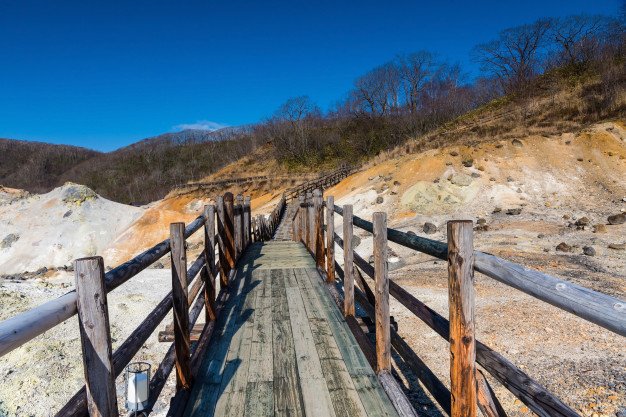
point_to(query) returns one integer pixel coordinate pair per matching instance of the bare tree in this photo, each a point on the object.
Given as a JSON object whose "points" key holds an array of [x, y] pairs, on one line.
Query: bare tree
{"points": [[415, 69], [579, 38], [378, 91], [291, 127], [514, 58]]}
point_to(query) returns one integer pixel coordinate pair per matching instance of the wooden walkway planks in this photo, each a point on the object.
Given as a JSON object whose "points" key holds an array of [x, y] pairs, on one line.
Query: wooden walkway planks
{"points": [[282, 348]]}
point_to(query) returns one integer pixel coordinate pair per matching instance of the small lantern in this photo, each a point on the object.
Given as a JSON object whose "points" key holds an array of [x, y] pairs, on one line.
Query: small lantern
{"points": [[137, 386]]}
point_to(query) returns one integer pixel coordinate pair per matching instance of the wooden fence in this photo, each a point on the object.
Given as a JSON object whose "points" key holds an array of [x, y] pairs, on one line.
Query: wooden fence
{"points": [[321, 183], [469, 388], [227, 225]]}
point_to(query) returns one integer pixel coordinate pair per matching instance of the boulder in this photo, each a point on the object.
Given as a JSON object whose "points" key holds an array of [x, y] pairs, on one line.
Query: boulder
{"points": [[379, 200], [514, 211], [589, 251], [583, 221], [454, 153], [467, 162], [599, 228], [356, 241], [564, 247], [619, 218], [517, 143], [9, 240], [429, 228], [461, 180]]}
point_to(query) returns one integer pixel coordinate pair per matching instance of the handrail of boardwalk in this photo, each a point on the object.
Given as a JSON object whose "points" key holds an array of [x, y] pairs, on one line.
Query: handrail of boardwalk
{"points": [[234, 233], [321, 183], [604, 310], [601, 309]]}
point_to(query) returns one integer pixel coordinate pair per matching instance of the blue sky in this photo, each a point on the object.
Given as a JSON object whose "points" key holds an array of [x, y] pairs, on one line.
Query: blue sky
{"points": [[103, 74]]}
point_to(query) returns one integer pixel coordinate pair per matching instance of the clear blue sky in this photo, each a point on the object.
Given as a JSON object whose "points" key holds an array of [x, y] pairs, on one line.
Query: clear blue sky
{"points": [[103, 74]]}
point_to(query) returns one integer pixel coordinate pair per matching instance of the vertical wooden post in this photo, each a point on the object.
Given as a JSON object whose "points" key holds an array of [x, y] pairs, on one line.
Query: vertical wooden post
{"points": [[301, 219], [180, 305], [318, 208], [95, 337], [383, 337], [237, 224], [305, 221], [230, 230], [246, 222], [348, 262], [330, 238], [311, 222], [221, 241], [461, 299], [209, 256]]}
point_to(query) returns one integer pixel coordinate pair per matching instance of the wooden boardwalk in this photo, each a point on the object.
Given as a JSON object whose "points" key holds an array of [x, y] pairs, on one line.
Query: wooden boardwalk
{"points": [[281, 346]]}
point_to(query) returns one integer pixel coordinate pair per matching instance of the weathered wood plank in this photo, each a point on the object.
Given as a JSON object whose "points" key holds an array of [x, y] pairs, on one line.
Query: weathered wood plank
{"points": [[461, 300], [261, 368], [287, 393], [315, 393], [95, 336], [260, 399], [330, 236]]}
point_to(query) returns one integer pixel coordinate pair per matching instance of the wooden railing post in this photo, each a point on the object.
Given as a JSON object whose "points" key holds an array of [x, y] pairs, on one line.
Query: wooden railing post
{"points": [[301, 218], [180, 306], [318, 208], [209, 256], [221, 241], [310, 222], [348, 262], [246, 222], [383, 337], [230, 230], [238, 224], [95, 337], [461, 300], [330, 239]]}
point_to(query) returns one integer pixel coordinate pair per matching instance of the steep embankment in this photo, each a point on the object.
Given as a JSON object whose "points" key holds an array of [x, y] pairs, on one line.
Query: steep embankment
{"points": [[542, 201]]}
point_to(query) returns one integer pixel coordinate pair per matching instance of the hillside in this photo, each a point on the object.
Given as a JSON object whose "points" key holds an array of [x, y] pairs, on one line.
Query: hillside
{"points": [[142, 172], [37, 166]]}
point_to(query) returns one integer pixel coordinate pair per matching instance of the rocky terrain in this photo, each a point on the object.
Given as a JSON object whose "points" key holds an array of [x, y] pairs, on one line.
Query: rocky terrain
{"points": [[553, 202]]}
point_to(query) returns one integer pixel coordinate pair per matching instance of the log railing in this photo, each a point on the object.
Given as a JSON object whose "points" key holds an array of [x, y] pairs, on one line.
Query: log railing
{"points": [[264, 227], [469, 388], [321, 183], [194, 287]]}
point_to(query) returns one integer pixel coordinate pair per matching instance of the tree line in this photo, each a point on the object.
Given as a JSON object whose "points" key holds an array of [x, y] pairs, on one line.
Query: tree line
{"points": [[415, 93]]}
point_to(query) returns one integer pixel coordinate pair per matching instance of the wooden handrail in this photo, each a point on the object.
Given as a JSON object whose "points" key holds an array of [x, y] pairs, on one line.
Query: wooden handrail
{"points": [[77, 405], [601, 309], [533, 394], [25, 326]]}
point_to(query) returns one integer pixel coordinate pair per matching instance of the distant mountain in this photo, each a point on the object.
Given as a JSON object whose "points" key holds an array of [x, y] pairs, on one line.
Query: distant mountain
{"points": [[141, 172]]}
